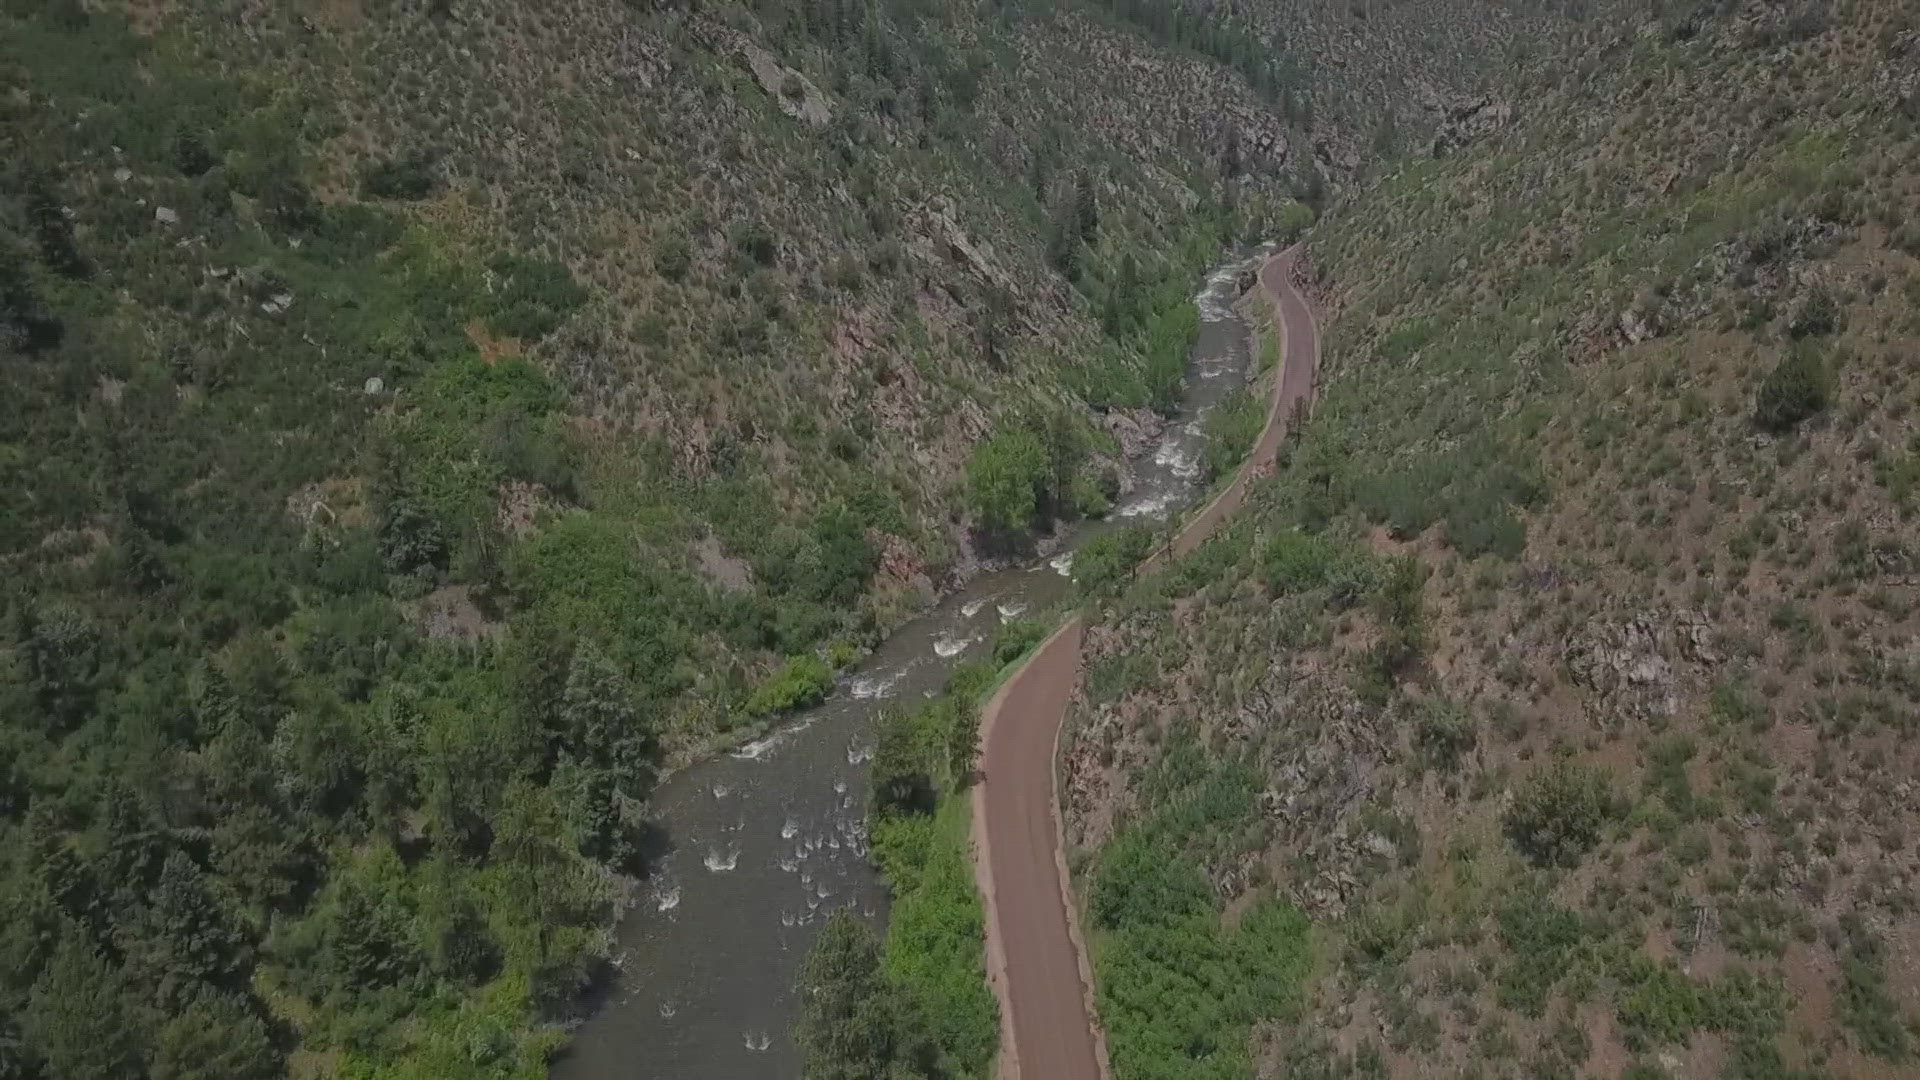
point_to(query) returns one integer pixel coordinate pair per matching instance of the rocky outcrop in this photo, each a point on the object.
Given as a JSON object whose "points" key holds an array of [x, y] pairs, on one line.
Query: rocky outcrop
{"points": [[1633, 664], [1467, 121]]}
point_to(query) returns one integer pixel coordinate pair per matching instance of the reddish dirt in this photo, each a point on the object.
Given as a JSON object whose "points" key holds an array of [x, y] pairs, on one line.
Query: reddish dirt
{"points": [[1036, 959]]}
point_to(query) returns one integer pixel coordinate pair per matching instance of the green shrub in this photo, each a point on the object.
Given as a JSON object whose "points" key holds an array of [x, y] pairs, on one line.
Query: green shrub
{"points": [[532, 296], [1797, 388], [674, 257], [1006, 478], [802, 682], [1540, 937], [1231, 429], [1558, 815], [1295, 562], [1443, 734], [408, 177], [1104, 566]]}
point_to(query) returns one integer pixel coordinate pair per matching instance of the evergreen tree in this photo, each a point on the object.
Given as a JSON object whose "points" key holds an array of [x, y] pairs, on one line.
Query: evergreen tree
{"points": [[216, 1037], [77, 1016], [183, 938]]}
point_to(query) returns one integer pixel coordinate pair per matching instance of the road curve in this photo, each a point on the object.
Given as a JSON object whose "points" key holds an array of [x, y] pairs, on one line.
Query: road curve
{"points": [[1036, 959]]}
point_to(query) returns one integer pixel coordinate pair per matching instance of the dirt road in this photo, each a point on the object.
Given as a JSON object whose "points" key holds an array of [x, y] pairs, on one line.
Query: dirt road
{"points": [[1036, 959]]}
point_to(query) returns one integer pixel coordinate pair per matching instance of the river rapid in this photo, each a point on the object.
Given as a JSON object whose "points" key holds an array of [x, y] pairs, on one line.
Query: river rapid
{"points": [[769, 840]]}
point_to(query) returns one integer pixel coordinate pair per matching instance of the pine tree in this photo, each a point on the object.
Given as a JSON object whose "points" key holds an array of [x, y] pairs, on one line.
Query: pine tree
{"points": [[183, 938], [77, 1015]]}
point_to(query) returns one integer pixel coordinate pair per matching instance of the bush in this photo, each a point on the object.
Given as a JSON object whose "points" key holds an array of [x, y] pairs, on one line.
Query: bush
{"points": [[1797, 388], [674, 257], [1403, 623], [1231, 430], [1444, 734], [1006, 477], [408, 178], [801, 682], [533, 296], [1103, 567], [1297, 562], [1558, 815]]}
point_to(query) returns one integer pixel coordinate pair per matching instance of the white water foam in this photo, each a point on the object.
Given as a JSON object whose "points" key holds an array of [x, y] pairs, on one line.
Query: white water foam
{"points": [[1011, 611], [1148, 505], [721, 791], [720, 862], [666, 899], [1062, 563], [950, 645], [667, 1009], [858, 752], [879, 685], [972, 607], [759, 748], [786, 918], [840, 787], [789, 865], [789, 828], [1180, 456], [1215, 299], [758, 1041]]}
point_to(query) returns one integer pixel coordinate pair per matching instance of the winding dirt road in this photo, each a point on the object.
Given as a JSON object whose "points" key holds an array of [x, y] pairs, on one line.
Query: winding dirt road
{"points": [[1036, 959]]}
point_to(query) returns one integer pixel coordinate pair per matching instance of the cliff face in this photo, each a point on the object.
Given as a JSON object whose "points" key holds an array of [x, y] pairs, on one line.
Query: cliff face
{"points": [[1562, 679]]}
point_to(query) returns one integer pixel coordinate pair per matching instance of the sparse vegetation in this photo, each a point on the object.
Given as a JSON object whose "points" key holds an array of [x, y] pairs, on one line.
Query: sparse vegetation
{"points": [[1614, 410]]}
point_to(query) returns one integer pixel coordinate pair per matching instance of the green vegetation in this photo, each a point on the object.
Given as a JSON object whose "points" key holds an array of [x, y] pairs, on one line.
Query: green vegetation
{"points": [[1557, 815], [1178, 990], [1796, 388], [918, 1005], [1231, 429], [1006, 481], [1105, 566], [803, 681]]}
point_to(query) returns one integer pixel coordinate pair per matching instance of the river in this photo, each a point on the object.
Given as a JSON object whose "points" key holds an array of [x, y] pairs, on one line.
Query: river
{"points": [[770, 839]]}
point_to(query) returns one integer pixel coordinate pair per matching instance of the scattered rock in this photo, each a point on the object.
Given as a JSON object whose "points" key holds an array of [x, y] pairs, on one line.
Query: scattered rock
{"points": [[1464, 122], [122, 174], [277, 303], [166, 215], [374, 386]]}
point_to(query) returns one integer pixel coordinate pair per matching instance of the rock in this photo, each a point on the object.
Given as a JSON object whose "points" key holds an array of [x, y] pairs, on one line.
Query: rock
{"points": [[793, 92], [1466, 121], [166, 215], [373, 386], [277, 303], [1136, 430], [122, 174], [1380, 845], [1638, 326]]}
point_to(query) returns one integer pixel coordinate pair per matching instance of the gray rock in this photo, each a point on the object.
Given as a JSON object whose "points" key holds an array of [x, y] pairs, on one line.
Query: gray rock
{"points": [[166, 215]]}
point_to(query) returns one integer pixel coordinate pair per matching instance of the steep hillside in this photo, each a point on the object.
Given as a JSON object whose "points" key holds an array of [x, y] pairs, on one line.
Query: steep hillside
{"points": [[1564, 674]]}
